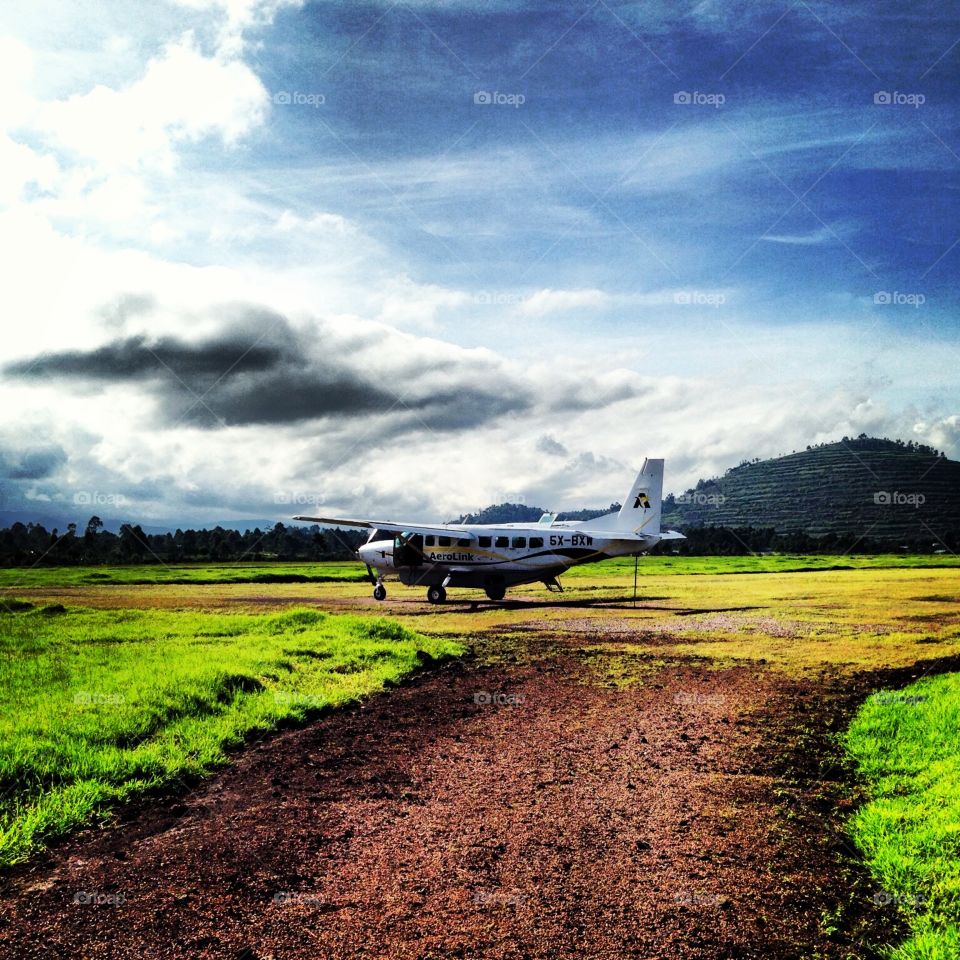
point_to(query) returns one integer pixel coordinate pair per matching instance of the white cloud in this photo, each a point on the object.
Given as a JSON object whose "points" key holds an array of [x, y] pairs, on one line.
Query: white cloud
{"points": [[544, 302], [943, 433], [404, 303], [828, 233], [182, 97]]}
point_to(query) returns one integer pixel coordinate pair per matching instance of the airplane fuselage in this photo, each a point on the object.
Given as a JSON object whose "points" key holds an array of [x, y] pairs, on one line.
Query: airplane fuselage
{"points": [[494, 556]]}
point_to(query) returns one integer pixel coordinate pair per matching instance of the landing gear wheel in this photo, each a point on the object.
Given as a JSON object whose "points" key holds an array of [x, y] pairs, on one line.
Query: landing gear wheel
{"points": [[436, 594], [495, 593], [379, 592]]}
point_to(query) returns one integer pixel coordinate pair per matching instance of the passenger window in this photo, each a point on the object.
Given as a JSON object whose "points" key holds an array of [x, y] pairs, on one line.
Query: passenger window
{"points": [[536, 541], [443, 541], [503, 542], [463, 543], [519, 542], [485, 541], [429, 541]]}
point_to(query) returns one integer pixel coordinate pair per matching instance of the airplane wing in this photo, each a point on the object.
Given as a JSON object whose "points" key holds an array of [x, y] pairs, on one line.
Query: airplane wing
{"points": [[585, 529], [391, 526]]}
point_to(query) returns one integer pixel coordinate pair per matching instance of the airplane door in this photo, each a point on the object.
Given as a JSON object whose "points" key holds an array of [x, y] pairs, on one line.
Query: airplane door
{"points": [[408, 551]]}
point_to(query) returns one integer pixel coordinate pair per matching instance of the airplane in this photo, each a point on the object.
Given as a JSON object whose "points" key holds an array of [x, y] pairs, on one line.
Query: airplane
{"points": [[501, 555]]}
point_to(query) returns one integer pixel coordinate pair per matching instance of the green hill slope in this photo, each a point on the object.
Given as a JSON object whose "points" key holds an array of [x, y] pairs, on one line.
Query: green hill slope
{"points": [[881, 490]]}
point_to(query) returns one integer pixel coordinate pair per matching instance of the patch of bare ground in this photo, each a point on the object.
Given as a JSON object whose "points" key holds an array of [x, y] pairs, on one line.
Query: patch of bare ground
{"points": [[516, 811]]}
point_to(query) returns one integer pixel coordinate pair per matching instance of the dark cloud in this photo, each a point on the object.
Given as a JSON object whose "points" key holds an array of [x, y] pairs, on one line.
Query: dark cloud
{"points": [[259, 370], [286, 393], [467, 406], [31, 463], [138, 358], [590, 395]]}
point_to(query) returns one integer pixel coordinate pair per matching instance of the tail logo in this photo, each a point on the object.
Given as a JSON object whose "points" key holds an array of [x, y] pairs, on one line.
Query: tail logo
{"points": [[642, 501]]}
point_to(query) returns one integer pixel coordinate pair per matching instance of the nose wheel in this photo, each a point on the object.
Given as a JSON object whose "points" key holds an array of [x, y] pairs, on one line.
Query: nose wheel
{"points": [[379, 592], [436, 594]]}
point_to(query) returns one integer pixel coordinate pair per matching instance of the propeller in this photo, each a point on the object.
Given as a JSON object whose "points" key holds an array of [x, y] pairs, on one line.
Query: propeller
{"points": [[370, 573]]}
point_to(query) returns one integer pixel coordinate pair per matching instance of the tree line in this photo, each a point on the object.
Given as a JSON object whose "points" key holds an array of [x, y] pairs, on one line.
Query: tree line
{"points": [[31, 544]]}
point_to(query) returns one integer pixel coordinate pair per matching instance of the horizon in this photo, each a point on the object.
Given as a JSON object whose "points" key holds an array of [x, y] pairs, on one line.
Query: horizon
{"points": [[164, 525]]}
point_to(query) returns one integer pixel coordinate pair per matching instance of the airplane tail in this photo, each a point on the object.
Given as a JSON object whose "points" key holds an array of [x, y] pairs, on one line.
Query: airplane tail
{"points": [[640, 512]]}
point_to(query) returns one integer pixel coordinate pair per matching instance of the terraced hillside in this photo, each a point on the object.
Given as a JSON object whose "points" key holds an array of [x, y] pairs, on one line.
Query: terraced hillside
{"points": [[878, 489]]}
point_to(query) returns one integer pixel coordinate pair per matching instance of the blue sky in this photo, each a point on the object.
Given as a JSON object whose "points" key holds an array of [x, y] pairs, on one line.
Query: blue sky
{"points": [[705, 231]]}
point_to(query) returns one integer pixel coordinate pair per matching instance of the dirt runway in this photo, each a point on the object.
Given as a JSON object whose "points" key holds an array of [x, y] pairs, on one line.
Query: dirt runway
{"points": [[515, 811]]}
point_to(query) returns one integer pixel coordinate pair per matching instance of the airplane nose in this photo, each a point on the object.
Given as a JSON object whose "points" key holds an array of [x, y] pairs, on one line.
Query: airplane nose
{"points": [[378, 553]]}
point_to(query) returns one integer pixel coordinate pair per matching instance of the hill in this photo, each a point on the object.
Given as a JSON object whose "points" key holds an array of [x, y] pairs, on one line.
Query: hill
{"points": [[881, 490]]}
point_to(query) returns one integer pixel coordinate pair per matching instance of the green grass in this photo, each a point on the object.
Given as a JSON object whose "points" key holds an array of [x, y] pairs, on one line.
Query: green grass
{"points": [[182, 573], [348, 571], [660, 564], [100, 706], [906, 746]]}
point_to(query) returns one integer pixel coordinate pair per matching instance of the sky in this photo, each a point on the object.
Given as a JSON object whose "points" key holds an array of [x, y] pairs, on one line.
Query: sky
{"points": [[269, 257]]}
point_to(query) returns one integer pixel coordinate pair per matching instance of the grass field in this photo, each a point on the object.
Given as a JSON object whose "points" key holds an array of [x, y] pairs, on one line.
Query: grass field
{"points": [[99, 706], [182, 573], [134, 677], [353, 572], [906, 745]]}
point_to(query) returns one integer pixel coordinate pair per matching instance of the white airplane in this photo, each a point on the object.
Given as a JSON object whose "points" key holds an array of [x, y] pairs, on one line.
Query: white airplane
{"points": [[500, 555]]}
